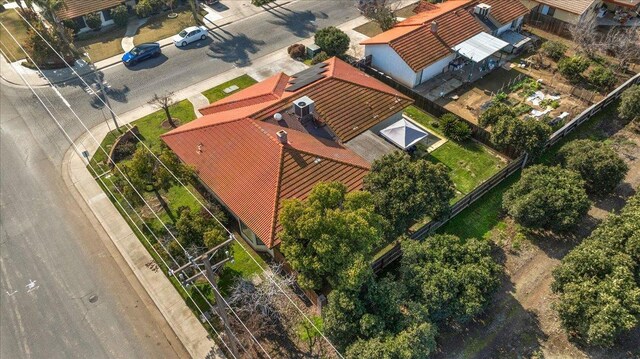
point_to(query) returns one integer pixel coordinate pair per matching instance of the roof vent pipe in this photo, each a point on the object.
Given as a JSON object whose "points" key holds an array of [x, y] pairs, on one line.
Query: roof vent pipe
{"points": [[282, 136], [434, 27]]}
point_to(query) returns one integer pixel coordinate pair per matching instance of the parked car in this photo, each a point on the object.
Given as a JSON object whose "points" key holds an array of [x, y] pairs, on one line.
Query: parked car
{"points": [[189, 35], [141, 53]]}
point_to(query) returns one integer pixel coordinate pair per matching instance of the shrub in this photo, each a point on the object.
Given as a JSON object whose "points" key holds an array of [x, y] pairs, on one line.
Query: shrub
{"points": [[332, 40], [297, 51], [71, 25], [93, 20], [573, 67], [319, 57], [454, 128], [547, 197], [522, 135], [629, 107], [597, 163], [493, 113], [500, 97], [124, 150], [120, 15], [145, 8], [603, 78], [554, 49], [549, 103], [521, 109]]}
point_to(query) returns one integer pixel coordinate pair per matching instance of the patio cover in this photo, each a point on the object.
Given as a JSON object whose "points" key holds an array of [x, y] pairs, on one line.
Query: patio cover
{"points": [[403, 133], [515, 39], [480, 47]]}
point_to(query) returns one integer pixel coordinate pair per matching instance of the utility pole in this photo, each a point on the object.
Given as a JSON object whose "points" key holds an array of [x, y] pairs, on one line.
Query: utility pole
{"points": [[102, 92], [210, 274]]}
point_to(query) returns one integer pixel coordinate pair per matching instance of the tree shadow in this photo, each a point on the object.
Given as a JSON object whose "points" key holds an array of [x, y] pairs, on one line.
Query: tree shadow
{"points": [[235, 49], [300, 24], [614, 202]]}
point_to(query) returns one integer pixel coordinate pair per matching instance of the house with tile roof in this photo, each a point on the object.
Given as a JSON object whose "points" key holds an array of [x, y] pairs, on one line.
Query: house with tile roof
{"points": [[278, 138], [440, 36], [570, 12], [75, 10]]}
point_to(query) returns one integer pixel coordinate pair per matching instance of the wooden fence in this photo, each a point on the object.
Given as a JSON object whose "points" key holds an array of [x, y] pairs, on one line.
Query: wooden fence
{"points": [[548, 24], [514, 166]]}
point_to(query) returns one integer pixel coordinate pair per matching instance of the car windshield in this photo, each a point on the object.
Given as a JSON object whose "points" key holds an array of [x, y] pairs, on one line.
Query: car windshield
{"points": [[183, 33], [135, 51]]}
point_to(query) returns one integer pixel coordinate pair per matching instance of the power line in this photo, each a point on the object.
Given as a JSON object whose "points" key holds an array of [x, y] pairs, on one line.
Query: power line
{"points": [[189, 191], [140, 195], [133, 187], [113, 196]]}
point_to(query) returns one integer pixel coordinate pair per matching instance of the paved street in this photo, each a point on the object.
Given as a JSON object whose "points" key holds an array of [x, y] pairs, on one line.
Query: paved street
{"points": [[80, 303], [235, 45]]}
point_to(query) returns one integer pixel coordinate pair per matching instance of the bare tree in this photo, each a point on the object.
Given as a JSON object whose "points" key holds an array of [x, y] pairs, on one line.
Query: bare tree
{"points": [[164, 101], [623, 44], [585, 35]]}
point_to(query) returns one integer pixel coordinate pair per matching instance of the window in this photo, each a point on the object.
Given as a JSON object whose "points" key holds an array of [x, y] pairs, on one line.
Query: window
{"points": [[546, 10], [106, 14]]}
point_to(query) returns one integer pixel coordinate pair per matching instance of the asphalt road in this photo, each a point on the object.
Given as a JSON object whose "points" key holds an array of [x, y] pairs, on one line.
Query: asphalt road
{"points": [[234, 45], [63, 294]]}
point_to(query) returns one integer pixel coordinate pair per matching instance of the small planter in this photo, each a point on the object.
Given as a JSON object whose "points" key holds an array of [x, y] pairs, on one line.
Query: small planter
{"points": [[172, 15]]}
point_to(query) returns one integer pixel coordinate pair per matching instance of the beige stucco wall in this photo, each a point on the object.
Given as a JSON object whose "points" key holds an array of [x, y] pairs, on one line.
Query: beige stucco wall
{"points": [[565, 15]]}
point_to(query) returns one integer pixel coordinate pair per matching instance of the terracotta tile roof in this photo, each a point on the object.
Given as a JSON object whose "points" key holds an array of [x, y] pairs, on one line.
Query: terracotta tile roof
{"points": [[423, 6], [577, 7], [347, 100], [75, 8], [505, 11], [245, 165], [414, 42]]}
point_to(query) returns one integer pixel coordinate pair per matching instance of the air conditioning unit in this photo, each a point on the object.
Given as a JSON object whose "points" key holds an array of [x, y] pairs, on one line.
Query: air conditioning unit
{"points": [[482, 10], [303, 107]]}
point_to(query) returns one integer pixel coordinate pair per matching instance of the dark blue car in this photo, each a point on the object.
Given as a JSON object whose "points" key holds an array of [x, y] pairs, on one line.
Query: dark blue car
{"points": [[141, 53]]}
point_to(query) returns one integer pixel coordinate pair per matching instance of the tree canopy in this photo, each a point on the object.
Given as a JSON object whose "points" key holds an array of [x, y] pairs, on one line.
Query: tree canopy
{"points": [[332, 40], [523, 135], [451, 277], [405, 190], [597, 163], [329, 237], [547, 197], [629, 107], [145, 170], [494, 113], [598, 282]]}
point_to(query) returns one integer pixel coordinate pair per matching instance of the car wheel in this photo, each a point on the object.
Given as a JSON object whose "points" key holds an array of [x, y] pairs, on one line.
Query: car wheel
{"points": [[184, 43], [203, 37]]}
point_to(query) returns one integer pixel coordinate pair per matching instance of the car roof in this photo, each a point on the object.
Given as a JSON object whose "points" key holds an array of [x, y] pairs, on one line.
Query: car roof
{"points": [[148, 44], [191, 28]]}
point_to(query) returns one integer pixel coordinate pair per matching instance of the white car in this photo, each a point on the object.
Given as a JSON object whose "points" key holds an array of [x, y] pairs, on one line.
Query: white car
{"points": [[189, 35]]}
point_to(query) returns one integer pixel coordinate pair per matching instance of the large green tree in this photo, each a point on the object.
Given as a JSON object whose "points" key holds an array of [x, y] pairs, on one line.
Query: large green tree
{"points": [[405, 190], [629, 107], [526, 135], [497, 110], [332, 40], [547, 197], [415, 342], [329, 237], [598, 282], [597, 163], [452, 277]]}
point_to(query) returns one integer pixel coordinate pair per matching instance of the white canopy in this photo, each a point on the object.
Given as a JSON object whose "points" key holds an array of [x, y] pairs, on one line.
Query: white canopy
{"points": [[403, 133], [480, 47]]}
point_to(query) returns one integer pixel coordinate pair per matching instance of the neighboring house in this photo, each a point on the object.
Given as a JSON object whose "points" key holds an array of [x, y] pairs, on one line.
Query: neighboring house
{"points": [[570, 12], [75, 10], [276, 139], [436, 39]]}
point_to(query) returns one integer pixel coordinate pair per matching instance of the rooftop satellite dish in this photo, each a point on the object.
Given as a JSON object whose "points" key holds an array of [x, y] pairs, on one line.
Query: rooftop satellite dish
{"points": [[277, 116]]}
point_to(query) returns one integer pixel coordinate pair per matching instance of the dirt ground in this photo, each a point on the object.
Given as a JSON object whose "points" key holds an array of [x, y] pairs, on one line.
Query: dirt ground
{"points": [[521, 323]]}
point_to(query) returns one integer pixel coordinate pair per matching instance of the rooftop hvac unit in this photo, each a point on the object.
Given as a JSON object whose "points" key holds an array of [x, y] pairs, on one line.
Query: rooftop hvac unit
{"points": [[482, 10], [303, 107]]}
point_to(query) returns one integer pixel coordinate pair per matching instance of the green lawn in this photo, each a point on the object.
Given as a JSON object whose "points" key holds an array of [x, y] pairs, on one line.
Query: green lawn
{"points": [[17, 27], [101, 45], [242, 266], [160, 26], [216, 93], [150, 126], [470, 162]]}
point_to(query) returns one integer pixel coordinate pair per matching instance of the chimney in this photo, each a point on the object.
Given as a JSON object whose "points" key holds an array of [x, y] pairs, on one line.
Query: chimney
{"points": [[434, 27], [282, 136]]}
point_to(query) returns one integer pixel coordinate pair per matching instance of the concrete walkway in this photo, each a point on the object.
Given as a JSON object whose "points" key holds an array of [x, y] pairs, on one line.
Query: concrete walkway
{"points": [[132, 28], [198, 101]]}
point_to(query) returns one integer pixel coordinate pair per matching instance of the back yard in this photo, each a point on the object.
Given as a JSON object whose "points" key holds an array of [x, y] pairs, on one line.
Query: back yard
{"points": [[521, 321]]}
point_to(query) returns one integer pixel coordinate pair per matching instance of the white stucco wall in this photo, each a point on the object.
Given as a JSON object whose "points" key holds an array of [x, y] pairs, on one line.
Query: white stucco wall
{"points": [[385, 59], [436, 68]]}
